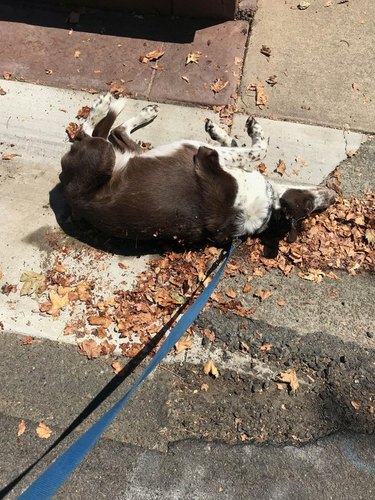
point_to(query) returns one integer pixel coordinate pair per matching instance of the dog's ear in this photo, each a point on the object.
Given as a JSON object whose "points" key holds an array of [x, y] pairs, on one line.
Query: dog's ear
{"points": [[206, 162]]}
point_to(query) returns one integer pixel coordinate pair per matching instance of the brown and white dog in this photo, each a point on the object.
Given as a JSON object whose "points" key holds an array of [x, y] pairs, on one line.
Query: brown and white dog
{"points": [[188, 190]]}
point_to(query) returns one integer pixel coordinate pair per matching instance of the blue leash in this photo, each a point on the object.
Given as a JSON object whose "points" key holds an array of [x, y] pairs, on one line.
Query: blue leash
{"points": [[47, 484]]}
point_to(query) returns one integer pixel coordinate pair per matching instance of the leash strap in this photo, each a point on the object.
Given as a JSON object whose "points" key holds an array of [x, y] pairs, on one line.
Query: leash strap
{"points": [[47, 484]]}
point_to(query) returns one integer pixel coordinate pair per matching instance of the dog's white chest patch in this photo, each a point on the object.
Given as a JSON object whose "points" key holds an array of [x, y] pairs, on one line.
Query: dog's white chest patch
{"points": [[253, 200]]}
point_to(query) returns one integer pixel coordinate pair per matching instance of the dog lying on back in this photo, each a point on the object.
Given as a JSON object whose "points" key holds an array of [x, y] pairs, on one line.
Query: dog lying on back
{"points": [[189, 191]]}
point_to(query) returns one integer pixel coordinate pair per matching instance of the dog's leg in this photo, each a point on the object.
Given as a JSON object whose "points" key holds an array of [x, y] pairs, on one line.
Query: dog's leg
{"points": [[103, 115], [120, 136], [144, 117], [218, 134], [243, 157]]}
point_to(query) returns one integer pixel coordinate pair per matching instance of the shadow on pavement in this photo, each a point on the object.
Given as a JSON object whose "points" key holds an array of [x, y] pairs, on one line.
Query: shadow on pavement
{"points": [[104, 22]]}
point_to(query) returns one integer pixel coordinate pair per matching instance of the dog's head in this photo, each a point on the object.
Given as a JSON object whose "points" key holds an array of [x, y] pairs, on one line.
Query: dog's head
{"points": [[294, 205], [88, 164]]}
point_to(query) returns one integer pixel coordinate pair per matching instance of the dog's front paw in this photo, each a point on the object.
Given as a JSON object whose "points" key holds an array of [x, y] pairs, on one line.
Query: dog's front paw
{"points": [[100, 108]]}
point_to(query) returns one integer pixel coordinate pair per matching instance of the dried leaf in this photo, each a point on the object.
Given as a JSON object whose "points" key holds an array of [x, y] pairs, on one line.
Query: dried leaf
{"points": [[231, 293], [72, 130], [154, 55], [262, 169], [186, 79], [272, 80], [57, 302], [266, 51], [263, 294], [261, 97], [209, 368], [193, 57], [204, 387], [8, 156], [43, 431], [303, 5], [218, 85], [7, 289], [89, 348], [315, 275], [281, 302], [21, 428], [7, 75], [266, 347], [355, 405], [32, 283], [244, 346], [183, 344], [83, 112], [2, 91], [77, 53], [117, 367], [289, 377], [27, 340], [281, 167], [103, 321]]}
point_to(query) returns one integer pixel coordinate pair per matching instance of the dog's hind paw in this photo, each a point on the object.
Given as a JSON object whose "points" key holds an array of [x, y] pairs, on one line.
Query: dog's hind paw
{"points": [[148, 113]]}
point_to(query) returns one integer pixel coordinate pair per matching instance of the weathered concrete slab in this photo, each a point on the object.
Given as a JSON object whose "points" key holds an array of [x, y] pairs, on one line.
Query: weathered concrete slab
{"points": [[33, 126], [321, 58], [309, 152]]}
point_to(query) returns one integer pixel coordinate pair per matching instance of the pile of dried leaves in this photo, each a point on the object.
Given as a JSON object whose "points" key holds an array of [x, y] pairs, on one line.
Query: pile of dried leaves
{"points": [[342, 237]]}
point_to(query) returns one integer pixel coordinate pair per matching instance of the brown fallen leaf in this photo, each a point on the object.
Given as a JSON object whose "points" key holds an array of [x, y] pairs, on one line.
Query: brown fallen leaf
{"points": [[117, 367], [89, 90], [355, 405], [231, 293], [2, 91], [266, 347], [266, 51], [77, 53], [21, 428], [244, 346], [43, 431], [238, 61], [57, 302], [8, 156], [154, 55], [314, 275], [218, 85], [272, 80], [204, 387], [186, 79], [303, 5], [83, 112], [262, 168], [72, 130], [89, 348], [117, 89], [183, 344], [247, 288], [7, 289], [209, 368], [280, 168], [27, 340], [351, 154], [281, 302], [7, 75], [193, 57], [103, 321], [263, 294], [32, 283], [261, 97], [289, 377]]}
